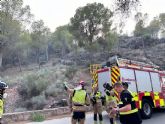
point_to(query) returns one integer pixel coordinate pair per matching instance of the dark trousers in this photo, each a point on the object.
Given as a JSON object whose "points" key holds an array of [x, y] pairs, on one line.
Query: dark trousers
{"points": [[133, 118]]}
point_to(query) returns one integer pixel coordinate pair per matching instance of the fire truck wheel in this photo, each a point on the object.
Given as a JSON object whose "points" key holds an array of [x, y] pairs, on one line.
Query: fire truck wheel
{"points": [[146, 110]]}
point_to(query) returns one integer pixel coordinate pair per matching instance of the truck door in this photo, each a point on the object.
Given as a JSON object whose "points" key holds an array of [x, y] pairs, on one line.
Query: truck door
{"points": [[127, 75], [143, 81], [103, 77], [163, 86], [155, 82]]}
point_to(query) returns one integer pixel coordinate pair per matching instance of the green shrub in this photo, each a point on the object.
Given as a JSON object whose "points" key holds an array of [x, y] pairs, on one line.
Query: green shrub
{"points": [[38, 102], [36, 117], [54, 89], [34, 103], [39, 85], [32, 86], [70, 72]]}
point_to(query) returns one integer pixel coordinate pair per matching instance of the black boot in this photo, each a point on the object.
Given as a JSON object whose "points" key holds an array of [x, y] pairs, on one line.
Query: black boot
{"points": [[101, 118], [111, 120], [95, 118]]}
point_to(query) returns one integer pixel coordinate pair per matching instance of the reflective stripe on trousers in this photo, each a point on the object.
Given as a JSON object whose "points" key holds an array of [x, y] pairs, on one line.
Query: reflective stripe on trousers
{"points": [[129, 112]]}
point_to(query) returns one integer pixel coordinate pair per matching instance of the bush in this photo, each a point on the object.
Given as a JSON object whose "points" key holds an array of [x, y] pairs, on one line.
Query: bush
{"points": [[32, 86], [70, 72], [36, 117], [38, 86], [32, 91], [35, 103], [38, 102], [55, 89]]}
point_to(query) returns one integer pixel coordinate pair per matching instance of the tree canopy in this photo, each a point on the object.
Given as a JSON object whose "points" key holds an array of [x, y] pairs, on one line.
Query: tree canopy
{"points": [[90, 22], [126, 6]]}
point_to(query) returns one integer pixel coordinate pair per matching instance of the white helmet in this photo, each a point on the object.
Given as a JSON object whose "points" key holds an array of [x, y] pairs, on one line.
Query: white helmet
{"points": [[3, 85]]}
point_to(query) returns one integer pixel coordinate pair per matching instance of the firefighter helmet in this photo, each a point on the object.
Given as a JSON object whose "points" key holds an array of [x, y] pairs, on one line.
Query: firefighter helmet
{"points": [[82, 83], [3, 85]]}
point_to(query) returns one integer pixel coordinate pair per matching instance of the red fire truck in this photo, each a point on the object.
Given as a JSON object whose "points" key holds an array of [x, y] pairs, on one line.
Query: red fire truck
{"points": [[146, 82]]}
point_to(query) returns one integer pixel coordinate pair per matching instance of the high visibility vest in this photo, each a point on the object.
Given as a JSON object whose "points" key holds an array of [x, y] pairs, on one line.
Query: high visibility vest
{"points": [[79, 97], [98, 95], [1, 108], [110, 98]]}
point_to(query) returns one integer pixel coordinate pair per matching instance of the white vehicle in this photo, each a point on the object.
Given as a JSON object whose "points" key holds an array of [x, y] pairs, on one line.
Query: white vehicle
{"points": [[145, 81]]}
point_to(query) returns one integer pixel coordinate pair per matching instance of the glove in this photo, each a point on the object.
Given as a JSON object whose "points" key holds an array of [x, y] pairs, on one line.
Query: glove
{"points": [[65, 85], [103, 100], [93, 99], [115, 110]]}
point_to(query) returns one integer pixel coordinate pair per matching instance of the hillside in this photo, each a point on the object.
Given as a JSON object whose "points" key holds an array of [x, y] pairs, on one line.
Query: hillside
{"points": [[47, 81], [143, 49]]}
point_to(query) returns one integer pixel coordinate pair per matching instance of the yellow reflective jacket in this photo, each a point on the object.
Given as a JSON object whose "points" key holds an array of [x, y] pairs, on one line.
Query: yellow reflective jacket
{"points": [[1, 108], [79, 97], [110, 97]]}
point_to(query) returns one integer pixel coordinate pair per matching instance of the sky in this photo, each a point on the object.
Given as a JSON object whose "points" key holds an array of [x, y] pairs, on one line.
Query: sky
{"points": [[56, 13]]}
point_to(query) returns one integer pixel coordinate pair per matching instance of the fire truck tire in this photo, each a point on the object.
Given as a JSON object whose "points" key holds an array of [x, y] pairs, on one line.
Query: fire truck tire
{"points": [[146, 110]]}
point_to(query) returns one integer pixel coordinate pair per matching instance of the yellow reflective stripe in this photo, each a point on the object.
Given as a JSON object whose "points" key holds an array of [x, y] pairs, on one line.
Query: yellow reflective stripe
{"points": [[154, 103], [135, 98], [140, 104], [162, 102], [156, 97], [1, 108], [129, 112], [120, 103], [147, 94], [156, 93], [79, 108]]}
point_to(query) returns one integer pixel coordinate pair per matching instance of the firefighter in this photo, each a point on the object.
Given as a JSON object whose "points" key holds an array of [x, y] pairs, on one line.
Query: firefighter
{"points": [[3, 95], [127, 108], [79, 99], [110, 102], [97, 101], [70, 103], [125, 86]]}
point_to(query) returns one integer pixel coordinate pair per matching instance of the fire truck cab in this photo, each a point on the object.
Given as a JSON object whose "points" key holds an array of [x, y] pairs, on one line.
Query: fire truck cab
{"points": [[146, 82]]}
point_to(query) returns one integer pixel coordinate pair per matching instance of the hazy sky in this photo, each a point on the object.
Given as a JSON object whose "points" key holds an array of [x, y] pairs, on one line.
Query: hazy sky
{"points": [[58, 12]]}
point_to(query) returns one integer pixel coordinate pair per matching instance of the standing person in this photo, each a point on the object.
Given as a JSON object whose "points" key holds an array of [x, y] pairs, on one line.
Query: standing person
{"points": [[79, 100], [97, 101], [110, 102], [3, 95], [127, 109]]}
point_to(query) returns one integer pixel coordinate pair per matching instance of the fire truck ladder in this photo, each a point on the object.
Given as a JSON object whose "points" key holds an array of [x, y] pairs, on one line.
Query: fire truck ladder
{"points": [[132, 63]]}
